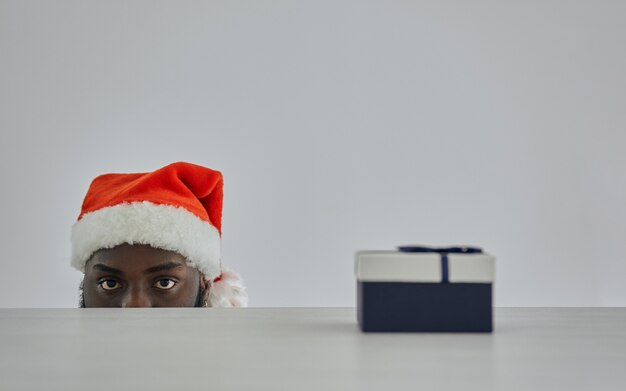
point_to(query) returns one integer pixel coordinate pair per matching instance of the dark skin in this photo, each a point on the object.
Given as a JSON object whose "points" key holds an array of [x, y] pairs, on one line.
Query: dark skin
{"points": [[142, 276]]}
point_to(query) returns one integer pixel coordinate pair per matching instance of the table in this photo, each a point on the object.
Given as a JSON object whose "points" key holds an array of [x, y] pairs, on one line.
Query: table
{"points": [[305, 349]]}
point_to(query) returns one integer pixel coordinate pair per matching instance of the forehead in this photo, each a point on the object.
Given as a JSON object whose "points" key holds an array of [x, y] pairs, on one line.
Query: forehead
{"points": [[128, 256]]}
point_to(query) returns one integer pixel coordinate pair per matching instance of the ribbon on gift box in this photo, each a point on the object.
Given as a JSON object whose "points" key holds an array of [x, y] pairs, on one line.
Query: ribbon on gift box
{"points": [[444, 251]]}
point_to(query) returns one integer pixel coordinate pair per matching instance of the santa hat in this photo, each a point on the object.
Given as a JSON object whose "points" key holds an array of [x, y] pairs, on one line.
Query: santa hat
{"points": [[176, 208]]}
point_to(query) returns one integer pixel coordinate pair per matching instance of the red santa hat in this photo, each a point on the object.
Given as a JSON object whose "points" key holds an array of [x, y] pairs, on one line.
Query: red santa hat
{"points": [[176, 208]]}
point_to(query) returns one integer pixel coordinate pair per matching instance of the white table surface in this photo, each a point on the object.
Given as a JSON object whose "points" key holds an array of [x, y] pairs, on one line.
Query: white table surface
{"points": [[305, 349]]}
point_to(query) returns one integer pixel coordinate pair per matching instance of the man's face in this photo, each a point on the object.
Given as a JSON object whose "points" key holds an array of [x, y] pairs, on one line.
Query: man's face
{"points": [[141, 276]]}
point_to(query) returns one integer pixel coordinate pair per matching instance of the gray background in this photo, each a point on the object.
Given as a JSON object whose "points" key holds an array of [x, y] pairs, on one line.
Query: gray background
{"points": [[339, 126]]}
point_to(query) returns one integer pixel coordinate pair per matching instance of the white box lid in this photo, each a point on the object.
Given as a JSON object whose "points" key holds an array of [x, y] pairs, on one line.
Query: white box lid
{"points": [[398, 266]]}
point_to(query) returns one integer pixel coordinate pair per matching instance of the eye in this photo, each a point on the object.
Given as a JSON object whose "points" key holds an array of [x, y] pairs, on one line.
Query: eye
{"points": [[165, 283], [109, 284]]}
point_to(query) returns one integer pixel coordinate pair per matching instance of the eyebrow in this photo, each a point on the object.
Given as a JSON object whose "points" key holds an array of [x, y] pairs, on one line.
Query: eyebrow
{"points": [[107, 269], [163, 266]]}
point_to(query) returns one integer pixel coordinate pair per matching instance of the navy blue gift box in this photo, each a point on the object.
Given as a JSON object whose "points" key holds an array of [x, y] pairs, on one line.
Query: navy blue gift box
{"points": [[425, 289]]}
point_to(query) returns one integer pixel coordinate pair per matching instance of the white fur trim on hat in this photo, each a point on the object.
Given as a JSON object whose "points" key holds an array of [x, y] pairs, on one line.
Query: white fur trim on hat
{"points": [[161, 226], [228, 291]]}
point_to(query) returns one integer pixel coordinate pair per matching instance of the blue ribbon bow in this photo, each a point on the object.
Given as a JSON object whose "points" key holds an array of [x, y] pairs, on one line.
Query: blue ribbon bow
{"points": [[444, 251]]}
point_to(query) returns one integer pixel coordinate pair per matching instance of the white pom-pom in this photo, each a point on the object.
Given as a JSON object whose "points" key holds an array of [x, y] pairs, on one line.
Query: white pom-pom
{"points": [[228, 291]]}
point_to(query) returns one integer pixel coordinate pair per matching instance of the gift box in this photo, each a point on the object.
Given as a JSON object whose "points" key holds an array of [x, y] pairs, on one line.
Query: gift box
{"points": [[428, 289]]}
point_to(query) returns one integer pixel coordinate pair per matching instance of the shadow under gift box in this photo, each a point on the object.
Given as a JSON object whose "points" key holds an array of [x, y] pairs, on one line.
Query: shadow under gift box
{"points": [[429, 292]]}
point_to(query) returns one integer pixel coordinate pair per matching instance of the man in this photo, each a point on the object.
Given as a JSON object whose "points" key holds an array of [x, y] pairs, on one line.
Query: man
{"points": [[153, 240]]}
